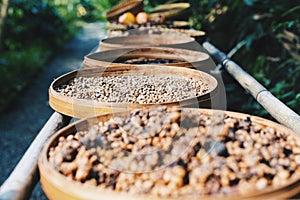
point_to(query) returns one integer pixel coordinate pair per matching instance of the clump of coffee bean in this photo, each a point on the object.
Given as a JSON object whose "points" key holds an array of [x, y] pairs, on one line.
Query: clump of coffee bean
{"points": [[139, 89], [170, 152], [144, 60], [152, 24]]}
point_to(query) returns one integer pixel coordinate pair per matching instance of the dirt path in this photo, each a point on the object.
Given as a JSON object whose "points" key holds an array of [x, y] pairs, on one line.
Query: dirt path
{"points": [[28, 114]]}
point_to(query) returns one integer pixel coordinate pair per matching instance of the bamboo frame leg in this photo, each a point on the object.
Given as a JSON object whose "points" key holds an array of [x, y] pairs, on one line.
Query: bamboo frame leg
{"points": [[275, 107], [21, 182]]}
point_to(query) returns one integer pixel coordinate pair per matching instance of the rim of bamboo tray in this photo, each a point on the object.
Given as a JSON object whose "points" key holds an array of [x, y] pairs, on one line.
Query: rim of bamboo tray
{"points": [[57, 185], [147, 40], [81, 108], [169, 10], [189, 32], [156, 30], [185, 58]]}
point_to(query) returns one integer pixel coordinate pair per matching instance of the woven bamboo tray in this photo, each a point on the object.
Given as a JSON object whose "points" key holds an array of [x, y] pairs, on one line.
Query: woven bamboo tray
{"points": [[57, 186], [199, 36], [183, 58], [170, 11], [168, 24], [173, 40], [81, 108]]}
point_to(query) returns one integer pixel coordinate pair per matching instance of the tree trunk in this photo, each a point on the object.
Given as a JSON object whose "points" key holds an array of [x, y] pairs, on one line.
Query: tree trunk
{"points": [[3, 14]]}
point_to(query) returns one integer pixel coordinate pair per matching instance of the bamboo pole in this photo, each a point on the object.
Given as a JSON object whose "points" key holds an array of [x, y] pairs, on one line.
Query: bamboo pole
{"points": [[21, 182], [275, 107]]}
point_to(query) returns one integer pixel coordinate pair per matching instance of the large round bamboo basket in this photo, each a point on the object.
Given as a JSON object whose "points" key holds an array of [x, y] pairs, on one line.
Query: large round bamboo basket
{"points": [[81, 108], [198, 35], [167, 24], [57, 186], [117, 57], [173, 40]]}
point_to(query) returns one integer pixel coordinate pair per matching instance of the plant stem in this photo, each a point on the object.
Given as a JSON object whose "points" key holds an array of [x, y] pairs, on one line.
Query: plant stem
{"points": [[3, 14]]}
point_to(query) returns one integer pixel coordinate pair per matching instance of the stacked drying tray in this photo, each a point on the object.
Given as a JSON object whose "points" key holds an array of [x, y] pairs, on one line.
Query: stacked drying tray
{"points": [[129, 18], [106, 89], [146, 134], [148, 56], [169, 39]]}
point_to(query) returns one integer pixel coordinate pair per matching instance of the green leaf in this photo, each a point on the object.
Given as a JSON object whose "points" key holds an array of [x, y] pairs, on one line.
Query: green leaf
{"points": [[291, 11], [288, 94], [298, 96]]}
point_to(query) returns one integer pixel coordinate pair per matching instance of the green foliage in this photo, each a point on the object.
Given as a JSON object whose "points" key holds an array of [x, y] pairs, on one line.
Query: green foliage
{"points": [[32, 32], [258, 24], [100, 7], [17, 67], [33, 21]]}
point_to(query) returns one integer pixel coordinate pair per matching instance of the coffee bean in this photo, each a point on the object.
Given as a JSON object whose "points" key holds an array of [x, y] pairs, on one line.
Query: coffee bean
{"points": [[134, 89], [153, 151]]}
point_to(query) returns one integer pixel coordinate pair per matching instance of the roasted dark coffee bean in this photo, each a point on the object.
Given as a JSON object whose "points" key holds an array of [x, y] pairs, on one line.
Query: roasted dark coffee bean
{"points": [[153, 151], [144, 60]]}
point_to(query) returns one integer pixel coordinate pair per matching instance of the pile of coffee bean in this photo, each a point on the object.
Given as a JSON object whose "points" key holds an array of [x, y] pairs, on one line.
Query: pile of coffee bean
{"points": [[170, 152], [144, 60], [141, 89], [152, 24]]}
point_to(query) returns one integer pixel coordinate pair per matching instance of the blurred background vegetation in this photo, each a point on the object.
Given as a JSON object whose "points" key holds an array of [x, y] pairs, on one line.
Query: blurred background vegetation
{"points": [[31, 30], [259, 28]]}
